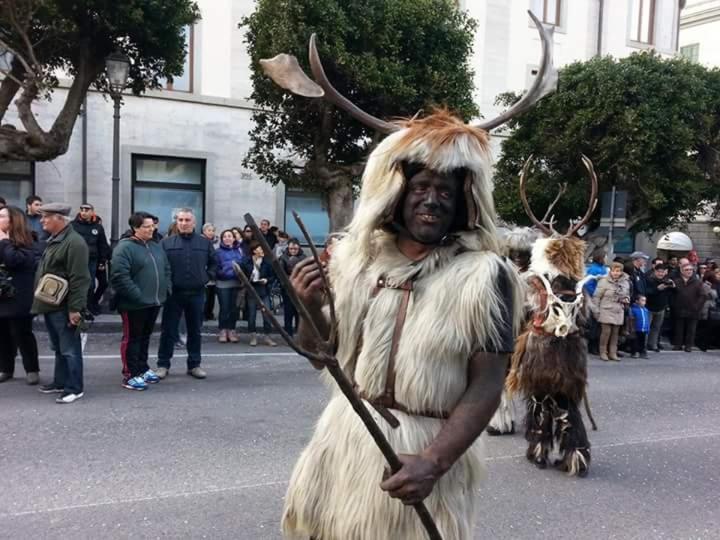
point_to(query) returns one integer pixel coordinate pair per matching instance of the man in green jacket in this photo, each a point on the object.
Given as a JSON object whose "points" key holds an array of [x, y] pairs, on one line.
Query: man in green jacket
{"points": [[140, 276], [66, 256]]}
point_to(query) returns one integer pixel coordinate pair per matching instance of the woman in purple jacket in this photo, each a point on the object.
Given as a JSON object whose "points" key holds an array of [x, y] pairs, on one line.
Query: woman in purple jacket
{"points": [[227, 286]]}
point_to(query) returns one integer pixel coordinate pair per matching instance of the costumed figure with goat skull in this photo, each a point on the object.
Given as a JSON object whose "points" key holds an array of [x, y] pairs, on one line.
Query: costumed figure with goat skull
{"points": [[549, 363]]}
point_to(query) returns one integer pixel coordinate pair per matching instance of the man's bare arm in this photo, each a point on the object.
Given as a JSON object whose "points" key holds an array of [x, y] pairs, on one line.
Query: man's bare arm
{"points": [[467, 421]]}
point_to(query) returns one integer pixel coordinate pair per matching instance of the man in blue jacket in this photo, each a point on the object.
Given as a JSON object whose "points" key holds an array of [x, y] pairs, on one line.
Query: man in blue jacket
{"points": [[192, 265]]}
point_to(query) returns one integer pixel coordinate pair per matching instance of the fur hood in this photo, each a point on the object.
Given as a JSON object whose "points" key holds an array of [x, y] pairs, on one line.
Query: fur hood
{"points": [[559, 256], [518, 238], [443, 143]]}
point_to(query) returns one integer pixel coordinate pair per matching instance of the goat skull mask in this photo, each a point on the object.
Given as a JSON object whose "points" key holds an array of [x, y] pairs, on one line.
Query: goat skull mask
{"points": [[561, 314]]}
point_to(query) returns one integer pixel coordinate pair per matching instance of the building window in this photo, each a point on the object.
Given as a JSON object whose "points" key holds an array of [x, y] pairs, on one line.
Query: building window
{"points": [[184, 82], [17, 181], [690, 52], [642, 20], [548, 11], [162, 185], [312, 210]]}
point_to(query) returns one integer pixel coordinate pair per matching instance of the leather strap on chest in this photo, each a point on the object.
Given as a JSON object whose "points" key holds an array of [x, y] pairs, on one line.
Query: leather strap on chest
{"points": [[406, 288]]}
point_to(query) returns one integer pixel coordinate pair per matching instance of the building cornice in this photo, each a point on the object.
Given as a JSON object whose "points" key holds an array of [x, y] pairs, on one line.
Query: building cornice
{"points": [[701, 17]]}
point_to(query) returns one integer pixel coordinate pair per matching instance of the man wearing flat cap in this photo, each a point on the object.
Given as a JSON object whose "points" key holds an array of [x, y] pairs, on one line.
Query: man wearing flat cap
{"points": [[638, 277], [62, 280]]}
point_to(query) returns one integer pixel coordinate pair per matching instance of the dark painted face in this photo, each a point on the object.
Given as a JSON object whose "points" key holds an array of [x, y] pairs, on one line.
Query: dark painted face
{"points": [[429, 206]]}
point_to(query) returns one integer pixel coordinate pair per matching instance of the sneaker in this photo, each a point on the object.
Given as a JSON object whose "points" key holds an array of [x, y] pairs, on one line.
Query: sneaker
{"points": [[197, 372], [634, 355], [269, 342], [67, 397], [644, 355], [151, 377], [233, 337], [32, 378], [136, 383], [50, 389], [223, 336], [161, 372], [253, 340], [5, 377]]}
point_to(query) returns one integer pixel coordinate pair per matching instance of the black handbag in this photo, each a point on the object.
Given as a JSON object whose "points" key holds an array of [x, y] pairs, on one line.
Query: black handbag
{"points": [[7, 288]]}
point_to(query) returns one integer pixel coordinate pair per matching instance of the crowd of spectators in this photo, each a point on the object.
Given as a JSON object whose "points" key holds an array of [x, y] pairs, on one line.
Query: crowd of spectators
{"points": [[59, 266], [633, 306]]}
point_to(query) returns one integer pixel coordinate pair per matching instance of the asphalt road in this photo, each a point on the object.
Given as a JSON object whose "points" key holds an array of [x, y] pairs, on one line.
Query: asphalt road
{"points": [[210, 459]]}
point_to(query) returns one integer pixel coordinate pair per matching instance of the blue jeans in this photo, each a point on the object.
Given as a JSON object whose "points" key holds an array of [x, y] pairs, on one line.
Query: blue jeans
{"points": [[191, 304], [252, 309], [227, 298], [65, 340]]}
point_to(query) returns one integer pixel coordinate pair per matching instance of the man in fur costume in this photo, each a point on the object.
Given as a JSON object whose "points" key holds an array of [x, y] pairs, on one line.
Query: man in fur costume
{"points": [[426, 308], [549, 364], [517, 244], [426, 312]]}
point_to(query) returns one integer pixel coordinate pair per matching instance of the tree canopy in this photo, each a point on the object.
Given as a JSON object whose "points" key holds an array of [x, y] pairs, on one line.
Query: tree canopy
{"points": [[390, 57], [39, 38], [650, 125]]}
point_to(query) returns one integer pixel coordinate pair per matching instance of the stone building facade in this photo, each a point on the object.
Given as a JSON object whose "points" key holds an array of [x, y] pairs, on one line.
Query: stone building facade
{"points": [[184, 146]]}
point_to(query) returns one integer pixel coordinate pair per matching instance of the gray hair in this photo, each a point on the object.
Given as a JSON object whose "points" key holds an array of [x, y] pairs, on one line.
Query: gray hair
{"points": [[184, 211], [208, 226]]}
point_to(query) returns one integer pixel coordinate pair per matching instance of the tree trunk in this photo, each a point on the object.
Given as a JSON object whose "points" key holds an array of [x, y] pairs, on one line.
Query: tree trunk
{"points": [[339, 198]]}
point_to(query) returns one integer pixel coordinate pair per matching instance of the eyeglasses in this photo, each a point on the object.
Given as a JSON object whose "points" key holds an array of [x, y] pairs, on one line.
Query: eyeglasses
{"points": [[85, 208]]}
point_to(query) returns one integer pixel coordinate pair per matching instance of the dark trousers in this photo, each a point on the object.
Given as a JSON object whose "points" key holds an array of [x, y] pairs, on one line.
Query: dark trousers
{"points": [[102, 285], [684, 332], [190, 304], [228, 316], [706, 330], [209, 302], [252, 308], [92, 268], [290, 314], [639, 343], [16, 333], [65, 341], [138, 326]]}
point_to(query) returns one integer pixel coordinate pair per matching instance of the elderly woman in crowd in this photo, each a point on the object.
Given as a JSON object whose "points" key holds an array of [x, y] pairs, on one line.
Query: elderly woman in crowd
{"points": [[18, 260], [612, 297]]}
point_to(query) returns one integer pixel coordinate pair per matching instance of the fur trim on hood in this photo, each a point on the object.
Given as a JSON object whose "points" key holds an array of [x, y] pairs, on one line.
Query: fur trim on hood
{"points": [[559, 255], [518, 238], [441, 142]]}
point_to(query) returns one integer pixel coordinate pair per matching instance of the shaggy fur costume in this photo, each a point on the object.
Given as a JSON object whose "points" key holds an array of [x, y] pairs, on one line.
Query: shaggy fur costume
{"points": [[334, 491], [517, 239], [552, 371]]}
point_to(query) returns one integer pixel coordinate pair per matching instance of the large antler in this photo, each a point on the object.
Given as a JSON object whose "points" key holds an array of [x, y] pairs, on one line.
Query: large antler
{"points": [[325, 355], [549, 231], [593, 196], [541, 224], [285, 70], [545, 80]]}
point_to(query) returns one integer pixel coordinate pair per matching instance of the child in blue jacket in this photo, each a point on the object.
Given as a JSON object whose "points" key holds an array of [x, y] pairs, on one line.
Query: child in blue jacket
{"points": [[641, 316]]}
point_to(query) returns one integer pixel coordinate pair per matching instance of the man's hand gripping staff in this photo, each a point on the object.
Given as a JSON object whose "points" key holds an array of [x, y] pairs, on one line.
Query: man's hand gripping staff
{"points": [[308, 280]]}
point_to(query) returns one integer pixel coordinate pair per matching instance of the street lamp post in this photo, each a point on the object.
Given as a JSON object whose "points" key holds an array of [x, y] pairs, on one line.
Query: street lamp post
{"points": [[117, 66]]}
